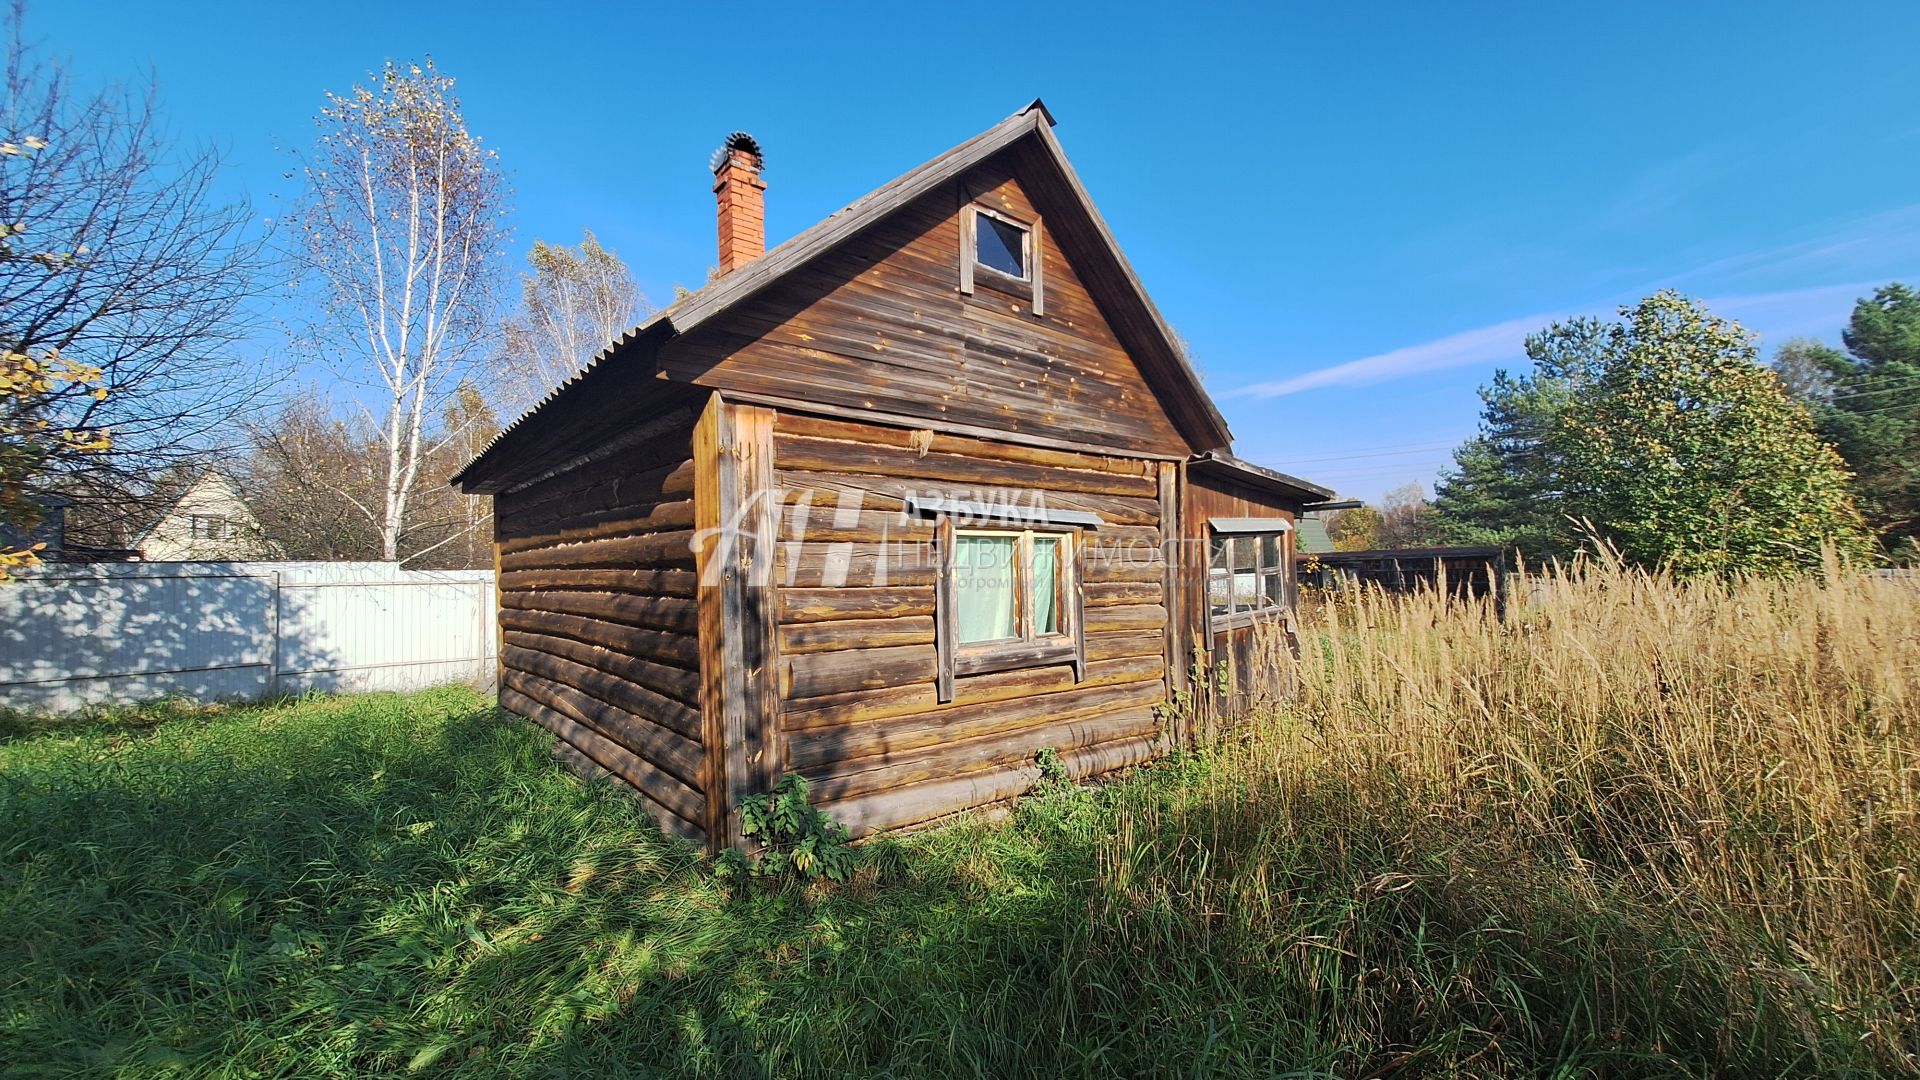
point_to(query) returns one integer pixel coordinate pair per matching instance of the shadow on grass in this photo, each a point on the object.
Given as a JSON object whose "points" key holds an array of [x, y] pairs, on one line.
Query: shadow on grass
{"points": [[390, 885]]}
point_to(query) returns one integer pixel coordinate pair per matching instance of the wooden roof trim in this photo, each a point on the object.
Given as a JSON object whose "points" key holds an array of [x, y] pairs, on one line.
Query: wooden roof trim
{"points": [[1182, 372], [1224, 464]]}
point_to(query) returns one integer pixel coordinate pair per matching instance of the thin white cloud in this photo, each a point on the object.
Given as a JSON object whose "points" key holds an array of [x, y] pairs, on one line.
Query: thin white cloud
{"points": [[1486, 345], [1773, 316]]}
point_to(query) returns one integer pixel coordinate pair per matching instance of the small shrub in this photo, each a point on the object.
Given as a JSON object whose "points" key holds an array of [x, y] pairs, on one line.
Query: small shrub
{"points": [[799, 842]]}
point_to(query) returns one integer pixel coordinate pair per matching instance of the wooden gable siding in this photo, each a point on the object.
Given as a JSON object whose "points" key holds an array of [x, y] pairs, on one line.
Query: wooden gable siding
{"points": [[597, 615], [856, 661], [879, 324]]}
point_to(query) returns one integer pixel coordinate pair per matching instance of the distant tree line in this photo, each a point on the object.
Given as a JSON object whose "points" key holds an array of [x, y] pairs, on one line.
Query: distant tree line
{"points": [[131, 295], [1662, 435]]}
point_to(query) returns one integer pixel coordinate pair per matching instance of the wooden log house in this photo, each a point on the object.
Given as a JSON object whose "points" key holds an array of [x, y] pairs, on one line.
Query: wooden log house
{"points": [[923, 490]]}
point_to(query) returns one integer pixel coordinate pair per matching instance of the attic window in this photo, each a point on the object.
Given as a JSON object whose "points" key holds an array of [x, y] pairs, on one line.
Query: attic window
{"points": [[1000, 245], [1003, 253]]}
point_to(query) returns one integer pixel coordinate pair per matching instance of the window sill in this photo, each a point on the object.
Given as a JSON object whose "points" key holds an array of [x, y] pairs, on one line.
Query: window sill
{"points": [[1241, 619], [1002, 282], [984, 660]]}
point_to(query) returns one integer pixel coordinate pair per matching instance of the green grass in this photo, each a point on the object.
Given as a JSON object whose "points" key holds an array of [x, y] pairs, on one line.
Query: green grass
{"points": [[395, 885]]}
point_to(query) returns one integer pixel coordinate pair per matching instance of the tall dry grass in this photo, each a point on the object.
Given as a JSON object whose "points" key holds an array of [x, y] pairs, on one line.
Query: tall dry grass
{"points": [[1631, 821]]}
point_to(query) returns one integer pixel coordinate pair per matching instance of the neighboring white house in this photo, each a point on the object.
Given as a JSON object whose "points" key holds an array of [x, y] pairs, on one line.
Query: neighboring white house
{"points": [[210, 520]]}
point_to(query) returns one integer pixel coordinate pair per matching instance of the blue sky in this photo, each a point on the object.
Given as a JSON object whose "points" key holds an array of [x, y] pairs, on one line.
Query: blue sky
{"points": [[1353, 213]]}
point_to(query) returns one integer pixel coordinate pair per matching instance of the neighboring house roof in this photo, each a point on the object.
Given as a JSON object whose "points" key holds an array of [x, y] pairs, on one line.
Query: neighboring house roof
{"points": [[1224, 464], [1310, 536], [1157, 349]]}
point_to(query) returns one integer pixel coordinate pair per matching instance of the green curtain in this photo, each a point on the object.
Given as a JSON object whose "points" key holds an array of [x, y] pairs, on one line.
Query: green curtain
{"points": [[983, 585], [1046, 591]]}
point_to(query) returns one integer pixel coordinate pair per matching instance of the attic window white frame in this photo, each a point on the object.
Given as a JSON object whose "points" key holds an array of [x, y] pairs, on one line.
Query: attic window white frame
{"points": [[1032, 255]]}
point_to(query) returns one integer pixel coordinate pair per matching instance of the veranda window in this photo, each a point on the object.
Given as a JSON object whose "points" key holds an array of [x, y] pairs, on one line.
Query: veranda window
{"points": [[1248, 570]]}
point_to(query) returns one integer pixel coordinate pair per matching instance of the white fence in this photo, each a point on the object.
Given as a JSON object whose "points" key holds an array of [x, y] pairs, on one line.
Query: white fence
{"points": [[71, 635]]}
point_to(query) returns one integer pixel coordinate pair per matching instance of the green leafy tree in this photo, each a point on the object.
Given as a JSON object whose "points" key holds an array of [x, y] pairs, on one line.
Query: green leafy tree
{"points": [[1684, 450], [1866, 401], [1504, 487]]}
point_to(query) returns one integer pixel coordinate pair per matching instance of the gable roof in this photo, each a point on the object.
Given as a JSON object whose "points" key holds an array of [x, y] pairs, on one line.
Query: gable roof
{"points": [[1162, 359]]}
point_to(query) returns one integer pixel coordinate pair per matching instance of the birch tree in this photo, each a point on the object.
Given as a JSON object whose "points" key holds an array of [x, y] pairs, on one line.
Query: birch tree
{"points": [[573, 303], [403, 224]]}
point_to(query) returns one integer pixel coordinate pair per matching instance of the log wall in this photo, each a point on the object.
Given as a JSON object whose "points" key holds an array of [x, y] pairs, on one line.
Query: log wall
{"points": [[598, 619], [856, 662]]}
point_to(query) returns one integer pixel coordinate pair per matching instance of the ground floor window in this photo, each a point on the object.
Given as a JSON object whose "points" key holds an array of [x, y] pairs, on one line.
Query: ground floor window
{"points": [[1247, 571], [1008, 598]]}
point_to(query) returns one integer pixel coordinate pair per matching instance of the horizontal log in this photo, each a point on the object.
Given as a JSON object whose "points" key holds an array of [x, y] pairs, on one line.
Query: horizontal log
{"points": [[652, 517], [526, 697], [675, 683], [645, 722], [833, 565], [607, 495], [788, 422], [798, 638], [823, 605], [579, 764], [646, 582], [1125, 617], [826, 525], [666, 646], [660, 549], [827, 492], [956, 757], [1101, 565], [814, 674], [818, 748], [864, 815], [808, 454], [671, 613], [866, 705], [1114, 644], [1109, 593]]}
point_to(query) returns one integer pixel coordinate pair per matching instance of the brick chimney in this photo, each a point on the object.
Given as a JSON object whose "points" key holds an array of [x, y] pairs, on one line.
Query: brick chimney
{"points": [[743, 201]]}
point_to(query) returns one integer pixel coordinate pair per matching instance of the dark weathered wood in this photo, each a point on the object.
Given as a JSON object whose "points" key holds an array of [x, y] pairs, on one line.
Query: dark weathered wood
{"points": [[864, 705], [1118, 643], [813, 674], [650, 724], [894, 808], [673, 613], [827, 492], [1173, 625], [676, 515], [946, 614], [1109, 593], [797, 638], [666, 646], [574, 761], [734, 510], [878, 429], [1126, 617], [1026, 654], [646, 582], [805, 453], [838, 565], [677, 683], [826, 525], [822, 605], [672, 548], [662, 790], [816, 750], [1015, 747]]}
